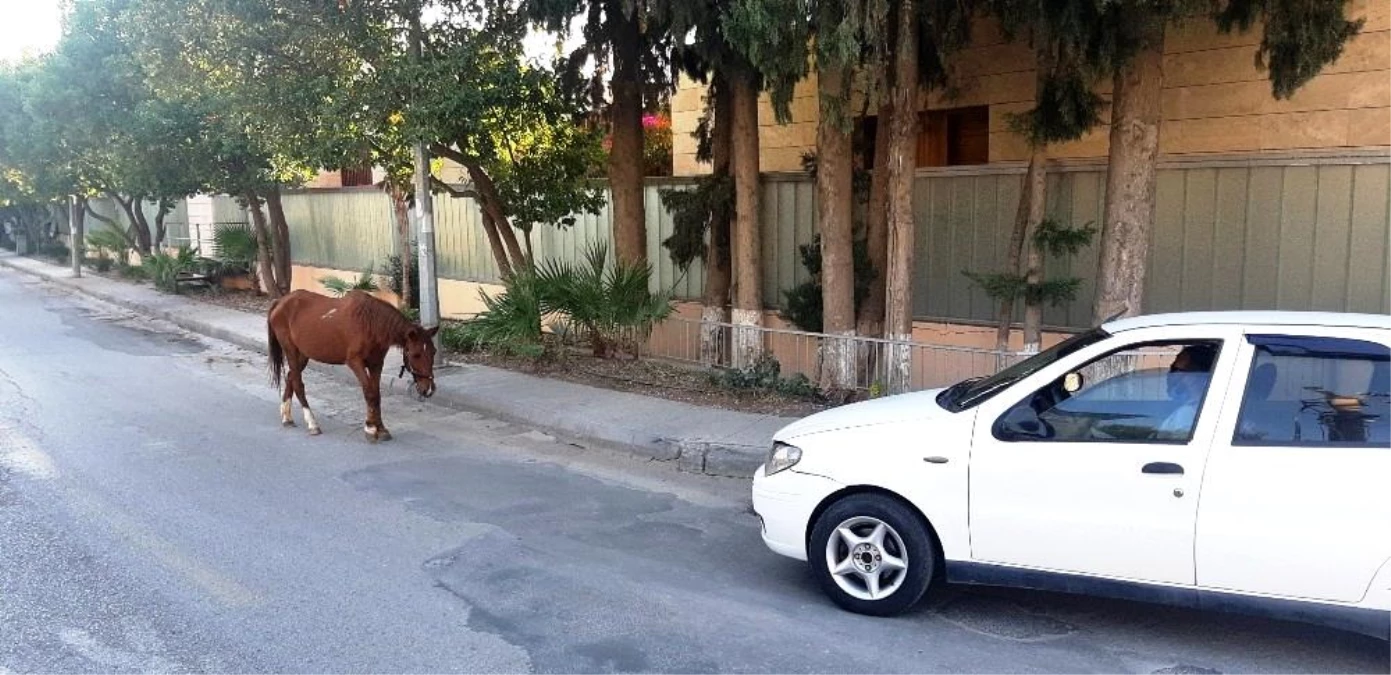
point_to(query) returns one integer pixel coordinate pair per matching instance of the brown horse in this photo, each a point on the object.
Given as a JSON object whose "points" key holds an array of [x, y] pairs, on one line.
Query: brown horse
{"points": [[357, 330]]}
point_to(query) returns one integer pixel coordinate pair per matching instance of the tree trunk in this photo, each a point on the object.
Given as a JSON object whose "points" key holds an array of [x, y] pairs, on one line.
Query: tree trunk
{"points": [[1128, 214], [835, 200], [902, 165], [870, 322], [491, 203], [625, 154], [748, 276], [264, 264], [140, 233], [280, 240], [137, 211], [1024, 258], [165, 206], [490, 228], [1035, 186], [715, 312], [403, 243]]}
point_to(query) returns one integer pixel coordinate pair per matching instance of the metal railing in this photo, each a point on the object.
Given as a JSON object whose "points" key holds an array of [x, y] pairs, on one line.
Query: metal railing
{"points": [[866, 361]]}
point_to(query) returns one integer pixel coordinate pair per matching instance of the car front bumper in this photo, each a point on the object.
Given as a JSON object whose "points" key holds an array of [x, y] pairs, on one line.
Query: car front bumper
{"points": [[784, 504]]}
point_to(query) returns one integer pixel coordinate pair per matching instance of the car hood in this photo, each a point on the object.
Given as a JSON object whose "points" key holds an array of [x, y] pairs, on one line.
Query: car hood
{"points": [[917, 405]]}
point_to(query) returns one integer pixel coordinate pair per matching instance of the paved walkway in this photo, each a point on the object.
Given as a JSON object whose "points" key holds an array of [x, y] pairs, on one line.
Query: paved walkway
{"points": [[700, 439]]}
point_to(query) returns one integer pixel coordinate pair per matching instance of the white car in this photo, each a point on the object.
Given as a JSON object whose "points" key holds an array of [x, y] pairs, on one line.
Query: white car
{"points": [[1226, 460]]}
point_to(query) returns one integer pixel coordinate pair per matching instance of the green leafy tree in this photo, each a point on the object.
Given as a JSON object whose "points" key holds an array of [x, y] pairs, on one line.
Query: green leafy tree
{"points": [[846, 40], [272, 78], [634, 39], [1049, 238], [516, 133], [1125, 40]]}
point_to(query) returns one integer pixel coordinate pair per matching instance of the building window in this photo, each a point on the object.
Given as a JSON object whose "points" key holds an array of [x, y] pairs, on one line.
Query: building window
{"points": [[356, 176], [954, 137]]}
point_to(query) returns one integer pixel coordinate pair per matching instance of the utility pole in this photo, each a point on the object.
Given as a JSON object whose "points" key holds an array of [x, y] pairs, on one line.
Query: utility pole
{"points": [[76, 232], [425, 214]]}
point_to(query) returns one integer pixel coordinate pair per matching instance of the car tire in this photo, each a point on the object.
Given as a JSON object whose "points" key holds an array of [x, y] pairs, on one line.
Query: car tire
{"points": [[848, 548]]}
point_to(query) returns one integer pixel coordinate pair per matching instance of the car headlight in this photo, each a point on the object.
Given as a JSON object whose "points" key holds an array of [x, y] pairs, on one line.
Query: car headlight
{"points": [[782, 458]]}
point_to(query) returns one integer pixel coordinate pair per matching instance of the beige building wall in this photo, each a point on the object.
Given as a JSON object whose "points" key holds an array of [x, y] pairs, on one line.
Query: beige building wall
{"points": [[458, 299], [780, 145], [1215, 99]]}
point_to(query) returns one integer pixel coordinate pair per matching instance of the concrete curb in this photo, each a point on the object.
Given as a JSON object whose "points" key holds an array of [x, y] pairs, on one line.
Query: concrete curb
{"points": [[702, 455]]}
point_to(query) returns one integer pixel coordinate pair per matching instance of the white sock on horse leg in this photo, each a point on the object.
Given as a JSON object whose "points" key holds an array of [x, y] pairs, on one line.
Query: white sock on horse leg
{"points": [[309, 420], [285, 413]]}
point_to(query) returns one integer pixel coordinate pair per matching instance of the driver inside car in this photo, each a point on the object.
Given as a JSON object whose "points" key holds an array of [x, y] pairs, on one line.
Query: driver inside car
{"points": [[1188, 378]]}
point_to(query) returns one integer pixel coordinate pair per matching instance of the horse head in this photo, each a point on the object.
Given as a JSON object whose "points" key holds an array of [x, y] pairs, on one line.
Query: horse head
{"points": [[420, 358]]}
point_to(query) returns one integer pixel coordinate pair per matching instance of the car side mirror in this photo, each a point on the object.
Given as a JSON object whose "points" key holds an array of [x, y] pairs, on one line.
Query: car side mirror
{"points": [[1072, 382], [1021, 423]]}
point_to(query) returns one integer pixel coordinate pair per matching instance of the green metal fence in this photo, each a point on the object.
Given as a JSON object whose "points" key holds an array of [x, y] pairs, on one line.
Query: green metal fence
{"points": [[1228, 235]]}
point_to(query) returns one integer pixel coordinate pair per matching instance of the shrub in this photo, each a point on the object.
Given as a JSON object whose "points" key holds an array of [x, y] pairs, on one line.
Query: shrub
{"points": [[611, 304], [101, 263], [339, 287], [164, 268], [394, 273], [511, 321], [108, 241], [131, 272], [235, 246], [56, 250], [802, 304], [765, 374], [456, 336]]}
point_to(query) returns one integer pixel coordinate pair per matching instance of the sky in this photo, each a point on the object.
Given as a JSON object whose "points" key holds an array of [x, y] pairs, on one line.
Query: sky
{"points": [[33, 26], [27, 26]]}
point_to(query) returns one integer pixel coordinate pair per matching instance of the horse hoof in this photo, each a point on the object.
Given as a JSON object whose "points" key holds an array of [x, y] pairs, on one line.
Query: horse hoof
{"points": [[384, 435], [287, 423], [371, 438], [315, 431]]}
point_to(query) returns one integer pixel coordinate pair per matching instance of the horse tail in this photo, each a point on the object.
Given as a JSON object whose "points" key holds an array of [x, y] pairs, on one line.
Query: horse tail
{"points": [[277, 354]]}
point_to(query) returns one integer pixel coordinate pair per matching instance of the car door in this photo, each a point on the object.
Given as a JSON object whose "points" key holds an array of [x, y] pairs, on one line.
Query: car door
{"points": [[1080, 468], [1295, 496]]}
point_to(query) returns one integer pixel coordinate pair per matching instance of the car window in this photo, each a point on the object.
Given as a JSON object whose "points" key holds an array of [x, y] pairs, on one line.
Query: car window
{"points": [[1316, 392], [1145, 393], [970, 393]]}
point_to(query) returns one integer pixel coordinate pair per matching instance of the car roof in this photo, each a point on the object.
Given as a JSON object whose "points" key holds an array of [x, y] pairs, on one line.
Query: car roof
{"points": [[1251, 318]]}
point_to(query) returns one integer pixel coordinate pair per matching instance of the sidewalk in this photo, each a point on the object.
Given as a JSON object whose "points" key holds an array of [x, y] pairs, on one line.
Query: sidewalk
{"points": [[699, 439]]}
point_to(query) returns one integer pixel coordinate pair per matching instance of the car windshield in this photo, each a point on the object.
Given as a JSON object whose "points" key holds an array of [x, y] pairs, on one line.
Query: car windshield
{"points": [[969, 393]]}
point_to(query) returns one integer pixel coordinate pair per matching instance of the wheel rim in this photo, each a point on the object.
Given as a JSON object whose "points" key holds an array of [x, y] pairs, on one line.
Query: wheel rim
{"points": [[866, 558]]}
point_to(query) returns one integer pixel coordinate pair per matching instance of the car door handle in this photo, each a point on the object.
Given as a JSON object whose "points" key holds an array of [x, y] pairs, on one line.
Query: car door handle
{"points": [[1162, 467]]}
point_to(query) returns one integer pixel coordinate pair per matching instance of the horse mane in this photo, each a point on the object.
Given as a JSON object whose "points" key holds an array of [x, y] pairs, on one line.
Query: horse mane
{"points": [[381, 323]]}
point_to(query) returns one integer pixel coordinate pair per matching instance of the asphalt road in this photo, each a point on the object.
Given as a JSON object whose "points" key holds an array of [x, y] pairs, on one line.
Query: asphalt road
{"points": [[155, 517]]}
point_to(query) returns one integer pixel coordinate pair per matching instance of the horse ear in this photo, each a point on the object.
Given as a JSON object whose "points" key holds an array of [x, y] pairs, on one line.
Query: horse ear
{"points": [[430, 332]]}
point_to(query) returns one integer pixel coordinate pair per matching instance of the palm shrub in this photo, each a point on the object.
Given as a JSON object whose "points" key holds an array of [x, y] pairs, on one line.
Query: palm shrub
{"points": [[164, 268], [339, 287], [510, 321], [611, 304], [395, 274], [108, 242], [234, 245]]}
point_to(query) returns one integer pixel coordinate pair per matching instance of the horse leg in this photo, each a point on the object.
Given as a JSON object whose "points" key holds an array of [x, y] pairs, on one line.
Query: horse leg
{"points": [[371, 394], [297, 377], [375, 371], [286, 419]]}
